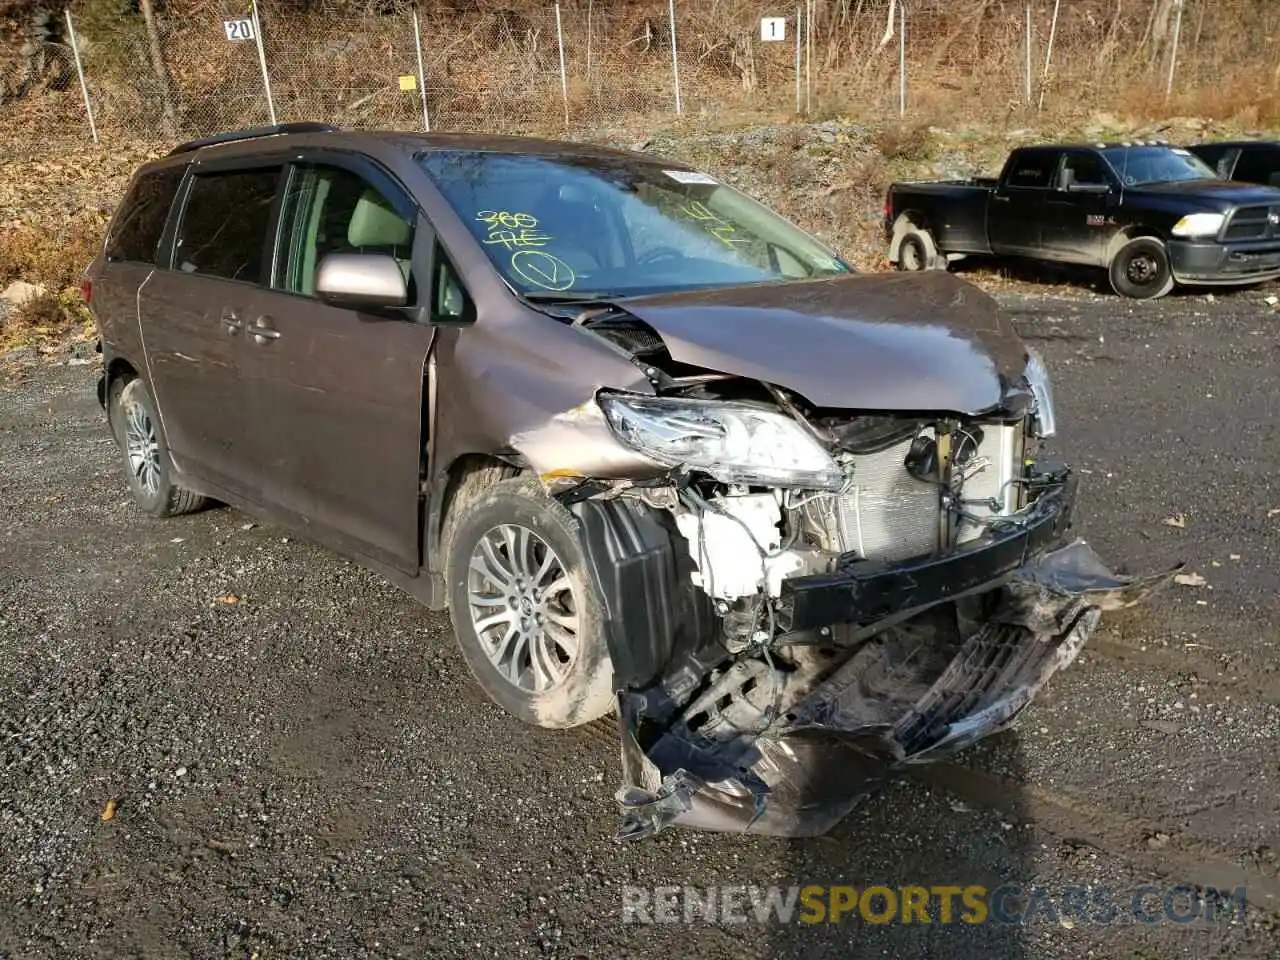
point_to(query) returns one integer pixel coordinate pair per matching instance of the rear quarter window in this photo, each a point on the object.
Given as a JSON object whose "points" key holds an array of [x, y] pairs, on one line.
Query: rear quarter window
{"points": [[136, 229], [225, 223], [1032, 170]]}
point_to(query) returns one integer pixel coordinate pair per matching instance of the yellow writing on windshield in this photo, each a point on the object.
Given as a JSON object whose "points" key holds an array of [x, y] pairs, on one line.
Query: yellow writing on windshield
{"points": [[514, 231], [540, 269], [716, 225]]}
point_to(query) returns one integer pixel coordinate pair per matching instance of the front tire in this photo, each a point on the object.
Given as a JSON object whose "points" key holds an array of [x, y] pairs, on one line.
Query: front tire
{"points": [[1140, 269], [140, 435], [524, 608]]}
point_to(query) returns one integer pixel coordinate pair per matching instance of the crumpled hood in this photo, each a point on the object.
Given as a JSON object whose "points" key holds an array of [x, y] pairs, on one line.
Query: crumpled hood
{"points": [[900, 342]]}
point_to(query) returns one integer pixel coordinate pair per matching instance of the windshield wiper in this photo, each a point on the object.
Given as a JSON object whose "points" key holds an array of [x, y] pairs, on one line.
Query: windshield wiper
{"points": [[565, 296]]}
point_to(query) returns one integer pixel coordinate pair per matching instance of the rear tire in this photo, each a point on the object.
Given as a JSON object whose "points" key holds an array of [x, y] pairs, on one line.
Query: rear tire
{"points": [[148, 469], [524, 608], [918, 251], [1140, 269]]}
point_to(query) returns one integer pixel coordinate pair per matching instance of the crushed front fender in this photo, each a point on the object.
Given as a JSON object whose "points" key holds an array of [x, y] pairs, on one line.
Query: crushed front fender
{"points": [[913, 694]]}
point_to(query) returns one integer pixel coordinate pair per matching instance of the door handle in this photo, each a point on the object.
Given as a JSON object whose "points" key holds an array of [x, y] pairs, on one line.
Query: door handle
{"points": [[231, 323], [1000, 199], [263, 331]]}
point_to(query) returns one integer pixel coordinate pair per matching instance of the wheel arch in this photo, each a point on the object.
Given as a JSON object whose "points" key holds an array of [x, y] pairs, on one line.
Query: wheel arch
{"points": [[1132, 232], [907, 220], [464, 477]]}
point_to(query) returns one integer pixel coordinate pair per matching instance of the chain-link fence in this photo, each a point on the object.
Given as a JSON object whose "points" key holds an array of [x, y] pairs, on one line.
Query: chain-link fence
{"points": [[195, 67]]}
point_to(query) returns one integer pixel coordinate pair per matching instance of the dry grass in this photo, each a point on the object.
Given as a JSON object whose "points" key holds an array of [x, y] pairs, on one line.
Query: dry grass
{"points": [[52, 257]]}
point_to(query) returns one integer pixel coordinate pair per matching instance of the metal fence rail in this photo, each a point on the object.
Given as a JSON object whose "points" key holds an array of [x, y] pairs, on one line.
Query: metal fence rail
{"points": [[580, 63]]}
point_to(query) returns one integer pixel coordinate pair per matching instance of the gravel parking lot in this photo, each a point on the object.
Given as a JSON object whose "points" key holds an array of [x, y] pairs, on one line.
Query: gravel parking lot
{"points": [[221, 741]]}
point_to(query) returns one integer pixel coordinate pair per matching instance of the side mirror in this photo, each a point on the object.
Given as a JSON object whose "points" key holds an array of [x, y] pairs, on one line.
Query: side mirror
{"points": [[1088, 188], [361, 281]]}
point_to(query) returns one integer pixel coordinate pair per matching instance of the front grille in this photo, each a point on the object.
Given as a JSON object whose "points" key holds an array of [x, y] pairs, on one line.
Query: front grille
{"points": [[1252, 223]]}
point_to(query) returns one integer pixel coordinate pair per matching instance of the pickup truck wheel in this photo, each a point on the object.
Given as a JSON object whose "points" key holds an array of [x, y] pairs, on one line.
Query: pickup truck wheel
{"points": [[525, 611], [1140, 269], [917, 251], [137, 428]]}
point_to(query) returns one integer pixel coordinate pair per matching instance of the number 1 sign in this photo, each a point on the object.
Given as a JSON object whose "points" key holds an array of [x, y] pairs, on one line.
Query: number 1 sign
{"points": [[773, 28]]}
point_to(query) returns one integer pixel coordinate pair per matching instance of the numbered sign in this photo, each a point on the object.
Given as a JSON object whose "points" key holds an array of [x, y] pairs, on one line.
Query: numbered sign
{"points": [[773, 28], [239, 29]]}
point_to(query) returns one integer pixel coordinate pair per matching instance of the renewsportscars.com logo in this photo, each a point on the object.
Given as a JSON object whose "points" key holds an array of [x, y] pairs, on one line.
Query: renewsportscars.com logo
{"points": [[1009, 903]]}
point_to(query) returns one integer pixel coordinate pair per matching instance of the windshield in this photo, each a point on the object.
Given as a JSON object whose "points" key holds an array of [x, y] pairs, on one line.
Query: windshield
{"points": [[587, 227], [1138, 165]]}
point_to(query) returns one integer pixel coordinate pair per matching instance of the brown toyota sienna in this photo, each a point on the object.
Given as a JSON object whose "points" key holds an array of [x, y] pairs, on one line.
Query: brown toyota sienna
{"points": [[657, 451]]}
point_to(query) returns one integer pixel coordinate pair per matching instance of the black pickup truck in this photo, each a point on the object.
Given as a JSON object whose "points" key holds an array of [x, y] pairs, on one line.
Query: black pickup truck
{"points": [[1249, 161], [1150, 214]]}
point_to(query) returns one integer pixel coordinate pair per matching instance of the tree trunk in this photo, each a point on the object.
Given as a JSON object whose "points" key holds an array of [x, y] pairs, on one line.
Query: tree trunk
{"points": [[159, 68], [888, 23]]}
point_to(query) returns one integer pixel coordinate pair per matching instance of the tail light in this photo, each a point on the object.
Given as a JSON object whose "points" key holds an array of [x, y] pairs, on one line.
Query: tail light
{"points": [[86, 289]]}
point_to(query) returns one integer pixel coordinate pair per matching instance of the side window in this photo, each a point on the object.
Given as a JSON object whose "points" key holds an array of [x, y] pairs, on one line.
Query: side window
{"points": [[449, 299], [135, 232], [1032, 170], [1086, 168], [1256, 165], [224, 226], [332, 210]]}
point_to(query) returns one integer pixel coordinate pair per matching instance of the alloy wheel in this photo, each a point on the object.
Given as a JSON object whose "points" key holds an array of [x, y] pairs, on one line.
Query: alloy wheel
{"points": [[522, 608]]}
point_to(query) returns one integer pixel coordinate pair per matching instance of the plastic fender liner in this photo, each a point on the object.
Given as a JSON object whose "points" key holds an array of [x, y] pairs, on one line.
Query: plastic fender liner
{"points": [[632, 559]]}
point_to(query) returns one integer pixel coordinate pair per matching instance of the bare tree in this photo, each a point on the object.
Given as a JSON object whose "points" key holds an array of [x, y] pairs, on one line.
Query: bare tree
{"points": [[159, 67], [888, 24]]}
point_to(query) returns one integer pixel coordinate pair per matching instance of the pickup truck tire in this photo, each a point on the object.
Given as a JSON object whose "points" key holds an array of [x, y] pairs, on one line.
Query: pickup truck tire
{"points": [[524, 607], [1140, 269], [917, 251]]}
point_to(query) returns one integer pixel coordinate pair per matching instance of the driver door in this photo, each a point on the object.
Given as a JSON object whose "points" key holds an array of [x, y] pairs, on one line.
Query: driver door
{"points": [[1078, 223]]}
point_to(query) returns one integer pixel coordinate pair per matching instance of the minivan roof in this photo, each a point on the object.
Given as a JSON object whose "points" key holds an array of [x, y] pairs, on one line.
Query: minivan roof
{"points": [[253, 139]]}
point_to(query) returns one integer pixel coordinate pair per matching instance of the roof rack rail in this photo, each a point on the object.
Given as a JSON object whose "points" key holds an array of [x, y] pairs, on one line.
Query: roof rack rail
{"points": [[252, 133]]}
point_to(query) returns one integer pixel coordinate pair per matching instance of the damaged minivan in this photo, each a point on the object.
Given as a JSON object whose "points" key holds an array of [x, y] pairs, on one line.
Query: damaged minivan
{"points": [[657, 451]]}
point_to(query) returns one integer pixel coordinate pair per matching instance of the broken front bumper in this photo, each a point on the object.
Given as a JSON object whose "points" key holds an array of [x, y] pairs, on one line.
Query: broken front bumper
{"points": [[864, 592], [915, 690]]}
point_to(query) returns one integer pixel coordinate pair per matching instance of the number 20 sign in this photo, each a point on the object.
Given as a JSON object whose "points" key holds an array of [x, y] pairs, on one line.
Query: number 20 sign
{"points": [[239, 29]]}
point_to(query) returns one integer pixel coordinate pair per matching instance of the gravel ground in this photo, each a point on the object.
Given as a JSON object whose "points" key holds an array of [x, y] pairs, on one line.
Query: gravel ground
{"points": [[310, 772]]}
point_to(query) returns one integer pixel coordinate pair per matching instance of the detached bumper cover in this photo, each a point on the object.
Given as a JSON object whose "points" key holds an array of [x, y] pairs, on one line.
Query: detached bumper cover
{"points": [[1210, 262], [914, 692]]}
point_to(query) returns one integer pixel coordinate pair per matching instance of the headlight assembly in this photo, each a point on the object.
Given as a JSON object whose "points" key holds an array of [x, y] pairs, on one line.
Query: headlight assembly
{"points": [[732, 442], [1199, 225], [1044, 422]]}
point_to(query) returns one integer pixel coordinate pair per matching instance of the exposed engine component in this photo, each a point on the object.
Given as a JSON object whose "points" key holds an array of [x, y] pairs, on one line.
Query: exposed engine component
{"points": [[736, 545]]}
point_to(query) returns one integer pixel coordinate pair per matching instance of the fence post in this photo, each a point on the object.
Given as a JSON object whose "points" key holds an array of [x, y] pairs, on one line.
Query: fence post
{"points": [[799, 23], [84, 87], [1173, 52], [1027, 77], [262, 61], [564, 79], [422, 75], [1048, 54], [675, 60], [808, 56], [902, 58]]}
